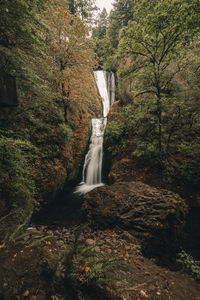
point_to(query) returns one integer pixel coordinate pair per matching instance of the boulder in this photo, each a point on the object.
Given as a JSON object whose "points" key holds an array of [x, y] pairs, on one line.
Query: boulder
{"points": [[147, 212]]}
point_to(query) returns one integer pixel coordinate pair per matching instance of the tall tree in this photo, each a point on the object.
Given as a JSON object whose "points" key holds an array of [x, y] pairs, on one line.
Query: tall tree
{"points": [[84, 8], [120, 15], [101, 25], [106, 45], [72, 54], [158, 35], [20, 37]]}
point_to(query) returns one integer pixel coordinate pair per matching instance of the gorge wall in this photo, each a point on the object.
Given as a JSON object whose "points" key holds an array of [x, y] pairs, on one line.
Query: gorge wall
{"points": [[40, 151]]}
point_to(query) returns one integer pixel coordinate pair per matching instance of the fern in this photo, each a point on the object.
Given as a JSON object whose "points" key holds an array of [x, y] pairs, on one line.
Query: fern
{"points": [[84, 270], [189, 264], [18, 236]]}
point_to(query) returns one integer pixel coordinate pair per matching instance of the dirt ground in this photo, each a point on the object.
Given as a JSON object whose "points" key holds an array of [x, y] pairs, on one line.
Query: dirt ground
{"points": [[26, 273]]}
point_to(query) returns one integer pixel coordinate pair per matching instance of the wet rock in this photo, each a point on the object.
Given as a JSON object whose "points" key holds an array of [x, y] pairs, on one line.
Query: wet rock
{"points": [[97, 249], [33, 232], [90, 242], [60, 243], [109, 251], [146, 212], [127, 236]]}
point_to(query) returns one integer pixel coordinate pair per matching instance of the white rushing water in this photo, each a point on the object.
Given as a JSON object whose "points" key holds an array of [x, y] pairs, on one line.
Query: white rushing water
{"points": [[92, 169], [101, 81], [111, 86]]}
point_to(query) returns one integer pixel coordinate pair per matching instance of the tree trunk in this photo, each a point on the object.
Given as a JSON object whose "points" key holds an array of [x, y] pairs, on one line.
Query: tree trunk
{"points": [[159, 109], [64, 102]]}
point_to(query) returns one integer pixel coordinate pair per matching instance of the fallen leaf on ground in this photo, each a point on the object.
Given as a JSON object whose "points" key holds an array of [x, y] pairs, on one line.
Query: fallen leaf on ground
{"points": [[26, 293], [144, 294]]}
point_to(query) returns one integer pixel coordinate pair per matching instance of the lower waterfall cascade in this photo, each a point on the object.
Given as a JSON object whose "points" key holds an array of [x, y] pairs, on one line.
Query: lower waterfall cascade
{"points": [[92, 169]]}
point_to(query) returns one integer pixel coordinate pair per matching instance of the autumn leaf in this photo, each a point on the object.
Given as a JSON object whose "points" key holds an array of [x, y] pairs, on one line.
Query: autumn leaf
{"points": [[87, 269], [26, 293], [144, 294], [80, 278], [48, 243]]}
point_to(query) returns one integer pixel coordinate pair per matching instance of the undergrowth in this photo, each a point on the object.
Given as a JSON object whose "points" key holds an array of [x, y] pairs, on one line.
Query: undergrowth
{"points": [[86, 273], [21, 236], [189, 264]]}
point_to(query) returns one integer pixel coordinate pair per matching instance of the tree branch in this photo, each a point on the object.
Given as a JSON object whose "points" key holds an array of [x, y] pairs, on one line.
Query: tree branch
{"points": [[144, 92]]}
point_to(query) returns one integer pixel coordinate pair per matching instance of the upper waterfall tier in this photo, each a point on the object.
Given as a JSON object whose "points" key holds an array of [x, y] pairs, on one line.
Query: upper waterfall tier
{"points": [[110, 79], [101, 82]]}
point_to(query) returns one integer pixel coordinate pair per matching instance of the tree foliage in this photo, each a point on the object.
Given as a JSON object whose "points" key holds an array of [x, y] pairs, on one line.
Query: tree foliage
{"points": [[42, 141], [72, 53], [120, 15], [106, 43], [101, 25], [158, 77], [158, 36], [21, 40], [84, 8]]}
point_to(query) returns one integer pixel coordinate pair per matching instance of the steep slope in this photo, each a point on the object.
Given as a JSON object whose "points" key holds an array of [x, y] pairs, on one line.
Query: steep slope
{"points": [[43, 139]]}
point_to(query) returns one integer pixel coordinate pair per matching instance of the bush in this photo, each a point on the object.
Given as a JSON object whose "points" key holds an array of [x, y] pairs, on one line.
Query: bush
{"points": [[65, 133], [115, 138], [189, 264], [21, 236], [17, 187]]}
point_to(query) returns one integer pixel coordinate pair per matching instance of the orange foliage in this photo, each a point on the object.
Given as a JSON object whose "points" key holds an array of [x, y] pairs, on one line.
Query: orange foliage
{"points": [[83, 270]]}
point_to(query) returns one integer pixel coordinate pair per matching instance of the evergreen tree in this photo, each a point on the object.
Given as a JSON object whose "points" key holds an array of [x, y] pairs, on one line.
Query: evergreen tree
{"points": [[85, 8], [106, 45], [120, 15], [99, 31], [122, 11], [21, 38]]}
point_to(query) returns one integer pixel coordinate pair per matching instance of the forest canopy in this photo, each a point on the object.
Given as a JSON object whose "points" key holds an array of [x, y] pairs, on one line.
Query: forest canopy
{"points": [[154, 50]]}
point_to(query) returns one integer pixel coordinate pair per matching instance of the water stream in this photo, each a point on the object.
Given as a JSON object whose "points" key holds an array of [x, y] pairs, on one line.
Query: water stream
{"points": [[92, 169]]}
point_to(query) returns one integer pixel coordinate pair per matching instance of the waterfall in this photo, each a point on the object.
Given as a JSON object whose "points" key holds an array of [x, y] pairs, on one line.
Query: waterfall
{"points": [[101, 81], [111, 86], [92, 169]]}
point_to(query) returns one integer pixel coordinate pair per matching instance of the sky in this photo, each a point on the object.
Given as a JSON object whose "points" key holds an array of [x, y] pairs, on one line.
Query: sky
{"points": [[104, 3]]}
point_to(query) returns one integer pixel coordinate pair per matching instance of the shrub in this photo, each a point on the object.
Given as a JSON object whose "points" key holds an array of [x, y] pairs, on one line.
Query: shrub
{"points": [[65, 133], [115, 138], [17, 187], [189, 264]]}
